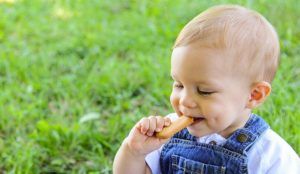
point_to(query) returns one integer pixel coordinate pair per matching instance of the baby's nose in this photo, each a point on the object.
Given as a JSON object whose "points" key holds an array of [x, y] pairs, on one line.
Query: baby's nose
{"points": [[187, 101]]}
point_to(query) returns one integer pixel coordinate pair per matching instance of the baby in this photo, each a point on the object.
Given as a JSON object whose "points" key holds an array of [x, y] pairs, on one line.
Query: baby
{"points": [[223, 63]]}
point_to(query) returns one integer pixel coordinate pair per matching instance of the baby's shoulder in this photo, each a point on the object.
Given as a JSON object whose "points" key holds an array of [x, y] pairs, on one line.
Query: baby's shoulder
{"points": [[272, 153], [270, 142]]}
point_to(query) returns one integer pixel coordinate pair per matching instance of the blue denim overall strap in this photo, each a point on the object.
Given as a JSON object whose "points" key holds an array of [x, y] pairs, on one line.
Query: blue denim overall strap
{"points": [[184, 155]]}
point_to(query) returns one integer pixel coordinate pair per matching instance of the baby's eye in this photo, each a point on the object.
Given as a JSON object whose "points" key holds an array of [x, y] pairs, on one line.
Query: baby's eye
{"points": [[204, 93], [178, 85]]}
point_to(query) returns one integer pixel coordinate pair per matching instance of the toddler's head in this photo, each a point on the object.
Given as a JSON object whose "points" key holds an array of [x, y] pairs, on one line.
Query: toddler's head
{"points": [[247, 39], [223, 63]]}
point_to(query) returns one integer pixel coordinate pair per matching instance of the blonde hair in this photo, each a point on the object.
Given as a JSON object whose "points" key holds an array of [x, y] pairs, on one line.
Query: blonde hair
{"points": [[247, 35]]}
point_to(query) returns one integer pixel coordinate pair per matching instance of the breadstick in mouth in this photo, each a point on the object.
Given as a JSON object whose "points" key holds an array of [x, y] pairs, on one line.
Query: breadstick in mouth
{"points": [[176, 126]]}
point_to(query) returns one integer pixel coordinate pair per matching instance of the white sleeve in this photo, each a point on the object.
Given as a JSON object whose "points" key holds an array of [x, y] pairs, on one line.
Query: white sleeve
{"points": [[272, 155], [152, 160], [286, 164], [286, 160]]}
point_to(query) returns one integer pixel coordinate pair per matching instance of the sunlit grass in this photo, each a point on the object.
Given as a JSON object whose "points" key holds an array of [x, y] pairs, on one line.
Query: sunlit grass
{"points": [[62, 13], [7, 1]]}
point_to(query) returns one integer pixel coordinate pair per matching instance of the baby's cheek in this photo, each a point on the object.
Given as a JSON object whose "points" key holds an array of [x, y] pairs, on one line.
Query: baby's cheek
{"points": [[174, 100], [212, 109], [217, 113]]}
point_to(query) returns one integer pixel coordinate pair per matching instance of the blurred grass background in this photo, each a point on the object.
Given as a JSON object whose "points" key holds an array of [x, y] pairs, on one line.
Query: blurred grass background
{"points": [[76, 75]]}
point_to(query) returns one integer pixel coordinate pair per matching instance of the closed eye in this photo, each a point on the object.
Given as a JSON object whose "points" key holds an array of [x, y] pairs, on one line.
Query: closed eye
{"points": [[178, 85], [204, 93]]}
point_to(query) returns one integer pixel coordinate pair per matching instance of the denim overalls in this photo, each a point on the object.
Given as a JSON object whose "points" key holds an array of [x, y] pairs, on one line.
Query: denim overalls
{"points": [[184, 155]]}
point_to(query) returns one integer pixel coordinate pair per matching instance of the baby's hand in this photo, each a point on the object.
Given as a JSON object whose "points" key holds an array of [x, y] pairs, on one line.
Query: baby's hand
{"points": [[142, 140], [148, 126]]}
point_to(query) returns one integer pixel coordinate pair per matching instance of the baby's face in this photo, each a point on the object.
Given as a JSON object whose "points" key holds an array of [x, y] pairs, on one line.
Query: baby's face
{"points": [[206, 89]]}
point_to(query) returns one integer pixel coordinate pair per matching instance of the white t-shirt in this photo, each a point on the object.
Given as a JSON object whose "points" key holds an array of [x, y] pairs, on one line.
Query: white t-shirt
{"points": [[270, 154]]}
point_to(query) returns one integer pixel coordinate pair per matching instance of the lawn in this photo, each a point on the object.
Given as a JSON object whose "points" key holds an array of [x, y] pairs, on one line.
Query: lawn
{"points": [[76, 76]]}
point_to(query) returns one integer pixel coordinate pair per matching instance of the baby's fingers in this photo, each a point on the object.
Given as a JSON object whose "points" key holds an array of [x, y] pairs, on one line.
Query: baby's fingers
{"points": [[153, 125], [167, 121], [149, 125], [157, 123], [144, 125], [162, 122]]}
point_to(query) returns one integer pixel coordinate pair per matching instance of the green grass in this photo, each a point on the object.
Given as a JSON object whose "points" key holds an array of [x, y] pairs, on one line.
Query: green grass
{"points": [[108, 62]]}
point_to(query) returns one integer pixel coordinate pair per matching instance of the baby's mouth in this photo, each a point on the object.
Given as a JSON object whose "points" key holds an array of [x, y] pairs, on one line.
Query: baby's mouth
{"points": [[197, 120]]}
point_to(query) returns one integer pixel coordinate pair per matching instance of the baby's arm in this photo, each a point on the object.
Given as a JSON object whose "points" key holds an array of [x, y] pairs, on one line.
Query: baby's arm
{"points": [[130, 158]]}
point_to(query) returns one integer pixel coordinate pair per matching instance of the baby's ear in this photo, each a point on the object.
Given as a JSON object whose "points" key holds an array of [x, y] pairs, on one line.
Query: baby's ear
{"points": [[259, 92]]}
